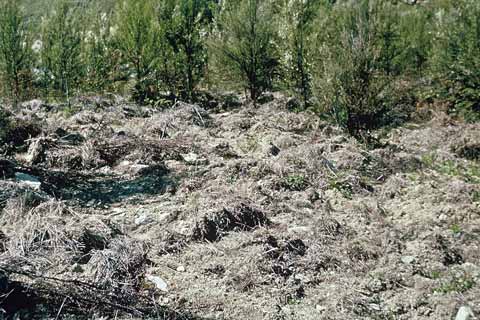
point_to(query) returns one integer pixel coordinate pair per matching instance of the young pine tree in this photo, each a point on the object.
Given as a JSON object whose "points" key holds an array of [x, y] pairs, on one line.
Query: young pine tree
{"points": [[137, 38], [169, 67], [193, 17], [246, 44], [61, 49], [99, 56], [456, 57], [354, 80], [15, 51], [300, 17]]}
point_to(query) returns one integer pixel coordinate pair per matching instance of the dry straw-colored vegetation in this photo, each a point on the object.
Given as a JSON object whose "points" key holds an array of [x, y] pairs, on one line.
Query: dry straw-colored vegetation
{"points": [[256, 159]]}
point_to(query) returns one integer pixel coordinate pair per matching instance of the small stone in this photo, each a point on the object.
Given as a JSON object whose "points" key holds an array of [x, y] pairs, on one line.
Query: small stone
{"points": [[193, 159], [375, 306], [464, 313], [138, 169], [181, 269], [28, 180], [143, 219], [159, 283], [77, 268], [320, 308], [408, 259], [125, 163], [105, 170]]}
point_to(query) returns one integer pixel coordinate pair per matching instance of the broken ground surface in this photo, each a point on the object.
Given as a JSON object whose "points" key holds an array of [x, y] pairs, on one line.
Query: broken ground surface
{"points": [[246, 213]]}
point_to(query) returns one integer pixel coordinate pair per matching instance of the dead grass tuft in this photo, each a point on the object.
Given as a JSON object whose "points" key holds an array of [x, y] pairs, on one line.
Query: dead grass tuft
{"points": [[121, 266]]}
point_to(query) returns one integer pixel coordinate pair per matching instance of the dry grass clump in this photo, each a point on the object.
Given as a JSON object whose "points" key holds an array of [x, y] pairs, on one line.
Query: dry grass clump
{"points": [[178, 120], [54, 153], [284, 254], [47, 233], [191, 114], [38, 234], [146, 151], [328, 229], [121, 266], [12, 192]]}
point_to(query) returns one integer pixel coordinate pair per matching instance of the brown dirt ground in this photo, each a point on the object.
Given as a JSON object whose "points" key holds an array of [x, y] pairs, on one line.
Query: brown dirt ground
{"points": [[250, 213]]}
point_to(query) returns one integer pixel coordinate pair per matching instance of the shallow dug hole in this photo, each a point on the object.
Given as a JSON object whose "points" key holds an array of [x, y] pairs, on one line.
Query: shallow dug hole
{"points": [[241, 218], [107, 188]]}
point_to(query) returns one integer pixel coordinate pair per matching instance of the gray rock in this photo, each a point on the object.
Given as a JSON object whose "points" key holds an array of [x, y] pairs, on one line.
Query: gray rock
{"points": [[181, 269], [28, 180], [193, 159], [138, 169], [37, 150], [143, 219], [408, 259], [464, 313], [159, 283]]}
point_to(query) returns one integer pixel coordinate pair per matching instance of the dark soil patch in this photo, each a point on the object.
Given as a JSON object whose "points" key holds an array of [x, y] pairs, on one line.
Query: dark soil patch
{"points": [[469, 151], [97, 188], [242, 218], [285, 254]]}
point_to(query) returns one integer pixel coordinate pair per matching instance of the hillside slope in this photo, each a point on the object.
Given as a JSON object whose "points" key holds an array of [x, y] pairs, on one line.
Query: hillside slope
{"points": [[239, 213]]}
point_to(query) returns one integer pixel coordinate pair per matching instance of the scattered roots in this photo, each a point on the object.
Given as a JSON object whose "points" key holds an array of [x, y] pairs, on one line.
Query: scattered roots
{"points": [[39, 296]]}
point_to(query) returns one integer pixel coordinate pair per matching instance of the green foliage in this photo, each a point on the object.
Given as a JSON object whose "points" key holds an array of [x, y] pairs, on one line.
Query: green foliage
{"points": [[190, 20], [99, 53], [300, 17], [15, 52], [354, 72], [245, 44], [138, 40], [61, 49], [456, 229], [413, 41], [342, 185], [456, 57], [162, 45], [460, 282], [468, 171], [295, 182], [361, 63], [4, 123]]}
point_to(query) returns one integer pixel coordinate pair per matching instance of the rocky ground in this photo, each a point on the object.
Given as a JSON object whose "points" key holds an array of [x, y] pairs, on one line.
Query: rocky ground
{"points": [[114, 211]]}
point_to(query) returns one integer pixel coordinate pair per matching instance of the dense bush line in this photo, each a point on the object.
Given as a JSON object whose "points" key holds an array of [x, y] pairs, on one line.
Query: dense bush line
{"points": [[362, 63]]}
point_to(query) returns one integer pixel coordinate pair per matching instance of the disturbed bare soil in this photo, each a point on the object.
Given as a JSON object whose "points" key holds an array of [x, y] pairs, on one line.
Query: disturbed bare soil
{"points": [[235, 213]]}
